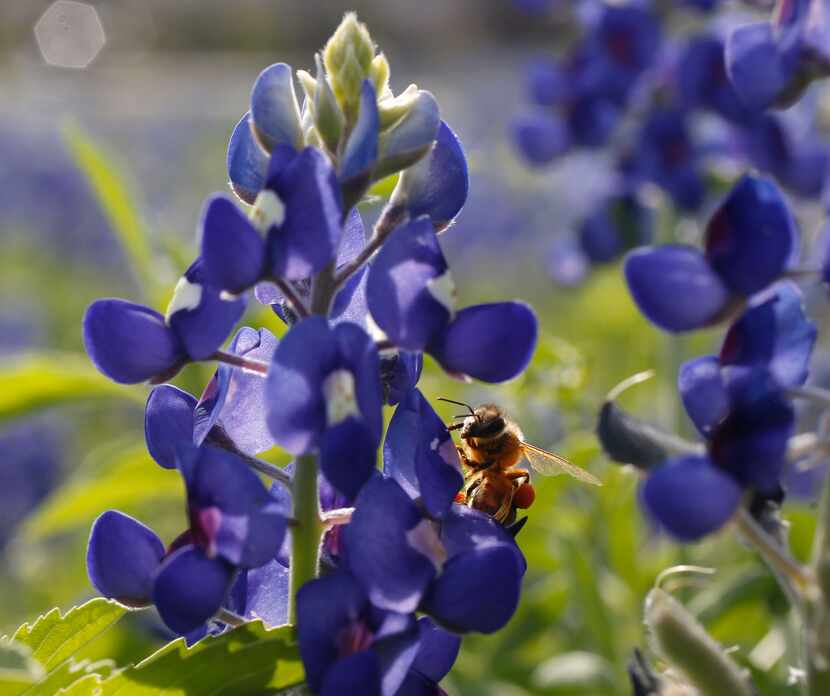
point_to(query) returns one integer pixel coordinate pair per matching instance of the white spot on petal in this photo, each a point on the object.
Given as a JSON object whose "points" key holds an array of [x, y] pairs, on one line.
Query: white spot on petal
{"points": [[434, 444], [376, 333], [268, 210], [442, 289], [425, 540], [186, 295], [338, 391]]}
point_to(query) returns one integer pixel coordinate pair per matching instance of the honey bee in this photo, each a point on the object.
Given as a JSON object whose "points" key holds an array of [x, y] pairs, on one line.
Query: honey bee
{"points": [[491, 447]]}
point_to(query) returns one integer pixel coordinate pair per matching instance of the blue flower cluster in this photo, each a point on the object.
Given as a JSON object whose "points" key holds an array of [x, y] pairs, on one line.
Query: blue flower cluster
{"points": [[399, 570], [739, 400], [687, 111]]}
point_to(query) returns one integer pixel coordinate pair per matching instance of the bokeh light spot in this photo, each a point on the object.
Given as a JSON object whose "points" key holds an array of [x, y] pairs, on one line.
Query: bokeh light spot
{"points": [[70, 34]]}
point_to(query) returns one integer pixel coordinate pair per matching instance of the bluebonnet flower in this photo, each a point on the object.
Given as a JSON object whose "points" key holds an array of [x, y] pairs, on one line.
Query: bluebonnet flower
{"points": [[347, 644], [771, 63], [737, 402], [750, 240], [580, 101], [411, 298], [324, 391], [132, 343], [619, 224], [230, 412], [410, 546], [295, 225], [234, 524]]}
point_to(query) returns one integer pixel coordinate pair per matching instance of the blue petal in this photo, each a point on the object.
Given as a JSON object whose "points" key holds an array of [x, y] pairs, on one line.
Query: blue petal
{"points": [[490, 342], [348, 456], [437, 651], [406, 286], [464, 529], [203, 328], [232, 250], [751, 443], [235, 398], [478, 590], [361, 151], [546, 83], [540, 136], [250, 527], [266, 595], [309, 237], [360, 356], [350, 303], [703, 392], [130, 343], [437, 185], [675, 287], [354, 674], [420, 455], [391, 571], [325, 607], [396, 645], [274, 110], [755, 67], [247, 162], [599, 238], [773, 332], [190, 588], [751, 237], [122, 558], [690, 498], [399, 373], [353, 239], [168, 422], [297, 410], [409, 139]]}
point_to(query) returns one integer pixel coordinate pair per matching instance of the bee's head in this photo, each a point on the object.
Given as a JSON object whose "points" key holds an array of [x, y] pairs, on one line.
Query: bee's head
{"points": [[484, 422]]}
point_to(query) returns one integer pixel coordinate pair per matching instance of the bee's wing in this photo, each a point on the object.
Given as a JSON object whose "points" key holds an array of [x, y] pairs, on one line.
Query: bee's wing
{"points": [[549, 464]]}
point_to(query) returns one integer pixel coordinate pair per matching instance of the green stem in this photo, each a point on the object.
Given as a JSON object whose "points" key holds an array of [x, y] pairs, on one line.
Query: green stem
{"points": [[308, 532], [817, 638]]}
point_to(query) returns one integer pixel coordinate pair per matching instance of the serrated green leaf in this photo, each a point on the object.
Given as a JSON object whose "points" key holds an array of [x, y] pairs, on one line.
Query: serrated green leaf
{"points": [[133, 479], [114, 198], [55, 637], [248, 660], [42, 379]]}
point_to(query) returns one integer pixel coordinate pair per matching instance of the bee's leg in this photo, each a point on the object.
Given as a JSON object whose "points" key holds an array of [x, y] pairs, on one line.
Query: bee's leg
{"points": [[506, 508]]}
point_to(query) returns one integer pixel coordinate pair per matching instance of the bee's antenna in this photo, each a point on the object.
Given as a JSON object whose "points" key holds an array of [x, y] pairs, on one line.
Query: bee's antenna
{"points": [[460, 403]]}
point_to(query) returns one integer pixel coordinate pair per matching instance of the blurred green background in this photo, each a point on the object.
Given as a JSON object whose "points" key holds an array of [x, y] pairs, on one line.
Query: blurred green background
{"points": [[102, 174]]}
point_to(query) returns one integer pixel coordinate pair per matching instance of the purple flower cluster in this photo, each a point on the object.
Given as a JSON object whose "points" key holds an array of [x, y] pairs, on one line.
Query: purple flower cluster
{"points": [[690, 112], [739, 400], [361, 310]]}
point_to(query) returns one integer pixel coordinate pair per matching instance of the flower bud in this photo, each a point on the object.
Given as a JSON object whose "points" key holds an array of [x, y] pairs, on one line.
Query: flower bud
{"points": [[681, 640], [348, 57]]}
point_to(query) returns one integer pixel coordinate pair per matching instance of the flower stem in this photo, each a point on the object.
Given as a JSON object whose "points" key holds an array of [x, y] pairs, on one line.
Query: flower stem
{"points": [[388, 221], [292, 297], [817, 639], [306, 536], [238, 361], [228, 617], [791, 573], [272, 472]]}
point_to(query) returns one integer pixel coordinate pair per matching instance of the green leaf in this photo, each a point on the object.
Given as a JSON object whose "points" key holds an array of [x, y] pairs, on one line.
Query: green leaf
{"points": [[115, 200], [130, 481], [42, 379], [55, 637], [250, 659]]}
